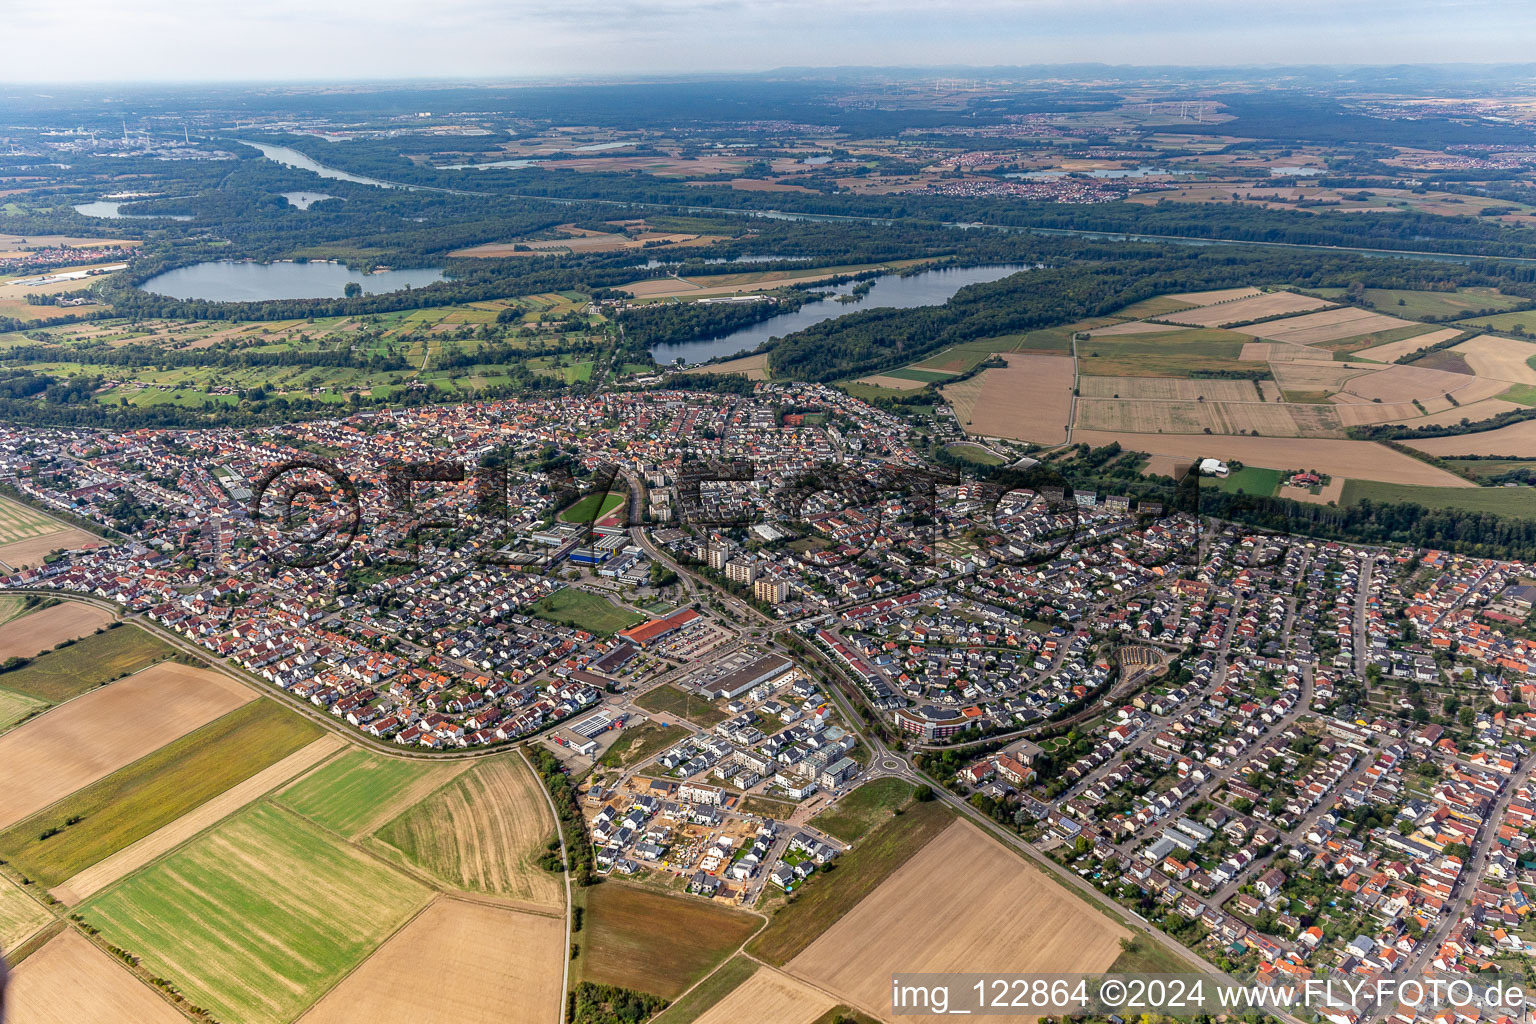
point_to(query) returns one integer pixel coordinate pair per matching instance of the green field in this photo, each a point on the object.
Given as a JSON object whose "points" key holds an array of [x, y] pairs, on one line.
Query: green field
{"points": [[827, 895], [1484, 468], [640, 743], [669, 700], [153, 791], [85, 664], [1417, 305], [1524, 320], [583, 610], [1521, 394], [1174, 354], [1248, 480], [973, 453], [731, 975], [1157, 305], [14, 707], [1142, 955], [1515, 502], [652, 942], [345, 792], [257, 918], [592, 508], [925, 376], [855, 815]]}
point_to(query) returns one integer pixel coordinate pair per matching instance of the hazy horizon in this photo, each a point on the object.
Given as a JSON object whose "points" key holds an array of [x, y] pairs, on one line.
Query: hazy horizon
{"points": [[160, 41]]}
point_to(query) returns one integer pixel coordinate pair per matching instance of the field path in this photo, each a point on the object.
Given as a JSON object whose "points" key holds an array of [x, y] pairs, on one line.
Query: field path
{"points": [[565, 980], [98, 876]]}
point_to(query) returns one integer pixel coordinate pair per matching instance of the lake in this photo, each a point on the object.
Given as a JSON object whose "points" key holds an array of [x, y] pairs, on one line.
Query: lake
{"points": [[304, 200], [260, 282], [890, 291], [113, 211]]}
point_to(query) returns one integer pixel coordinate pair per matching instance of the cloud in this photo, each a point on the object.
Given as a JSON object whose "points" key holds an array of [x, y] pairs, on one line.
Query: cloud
{"points": [[338, 39]]}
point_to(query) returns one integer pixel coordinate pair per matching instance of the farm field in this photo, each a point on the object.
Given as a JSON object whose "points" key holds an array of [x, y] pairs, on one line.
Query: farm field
{"points": [[1522, 320], [58, 676], [310, 909], [93, 736], [1242, 310], [20, 914], [1516, 440], [669, 700], [587, 611], [1248, 480], [770, 995], [1499, 358], [70, 980], [484, 831], [725, 980], [827, 898], [21, 522], [1392, 351], [38, 631], [1418, 305], [1329, 325], [752, 367], [163, 840], [1177, 352], [908, 923], [29, 553], [360, 790], [853, 816], [1363, 460], [652, 942], [1270, 419], [457, 963], [1030, 400], [1513, 502], [154, 791], [1169, 389], [14, 708]]}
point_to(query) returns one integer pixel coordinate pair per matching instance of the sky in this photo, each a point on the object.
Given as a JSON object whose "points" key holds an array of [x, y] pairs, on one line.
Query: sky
{"points": [[267, 40]]}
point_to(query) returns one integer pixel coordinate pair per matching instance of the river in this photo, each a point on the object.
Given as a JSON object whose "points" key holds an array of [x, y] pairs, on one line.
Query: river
{"points": [[890, 291]]}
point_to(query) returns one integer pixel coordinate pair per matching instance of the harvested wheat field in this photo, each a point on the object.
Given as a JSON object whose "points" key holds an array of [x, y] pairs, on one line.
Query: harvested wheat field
{"points": [[1518, 440], [456, 963], [94, 735], [40, 631], [1359, 414], [1405, 383], [893, 383], [1499, 358], [1029, 400], [1270, 419], [20, 915], [163, 840], [1392, 351], [770, 995], [1329, 325], [1015, 920], [485, 832], [69, 980], [1472, 412], [1360, 460], [1254, 307], [752, 367], [1211, 298], [1168, 389], [26, 554], [1315, 374]]}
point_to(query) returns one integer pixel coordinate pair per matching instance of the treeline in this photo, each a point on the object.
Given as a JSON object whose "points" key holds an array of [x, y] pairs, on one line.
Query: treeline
{"points": [[578, 847], [1482, 534]]}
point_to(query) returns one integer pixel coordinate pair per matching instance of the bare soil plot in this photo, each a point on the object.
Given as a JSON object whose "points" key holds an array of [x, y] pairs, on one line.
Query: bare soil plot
{"points": [[770, 995], [457, 963], [753, 367], [1518, 440], [1029, 400], [1392, 351], [1405, 383], [39, 631], [1329, 325], [1254, 307], [910, 923], [26, 554], [1168, 389], [124, 862], [1499, 358], [94, 735], [485, 832], [20, 915], [1211, 298], [1270, 419], [1362, 460], [70, 980]]}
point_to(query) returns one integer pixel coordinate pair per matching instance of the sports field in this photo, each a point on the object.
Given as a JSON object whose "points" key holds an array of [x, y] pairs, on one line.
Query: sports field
{"points": [[586, 611], [457, 963], [360, 790], [153, 791], [483, 832], [650, 941], [38, 631], [93, 736], [592, 508], [85, 664], [910, 923], [259, 917]]}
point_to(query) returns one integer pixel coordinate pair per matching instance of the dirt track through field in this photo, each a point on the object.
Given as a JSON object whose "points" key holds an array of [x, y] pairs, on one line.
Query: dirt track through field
{"points": [[93, 735], [39, 631], [70, 981], [128, 860], [457, 963], [997, 914]]}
